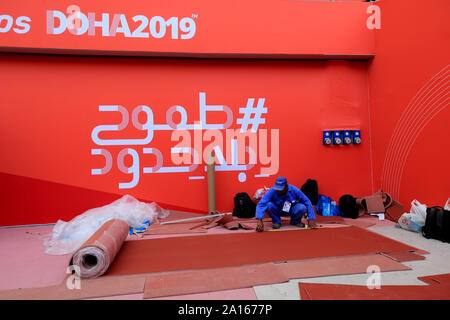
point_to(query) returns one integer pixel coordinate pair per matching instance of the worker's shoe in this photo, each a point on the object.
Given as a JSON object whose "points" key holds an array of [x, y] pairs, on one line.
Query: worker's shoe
{"points": [[276, 226], [299, 225]]}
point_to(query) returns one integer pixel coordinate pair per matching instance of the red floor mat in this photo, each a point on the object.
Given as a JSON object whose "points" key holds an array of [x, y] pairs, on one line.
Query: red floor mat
{"points": [[338, 266], [404, 256], [89, 288], [329, 219], [188, 282], [320, 291], [221, 250], [437, 279], [361, 222]]}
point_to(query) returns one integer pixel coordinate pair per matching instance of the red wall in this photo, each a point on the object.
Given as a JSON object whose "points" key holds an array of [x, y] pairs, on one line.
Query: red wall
{"points": [[409, 87], [50, 106]]}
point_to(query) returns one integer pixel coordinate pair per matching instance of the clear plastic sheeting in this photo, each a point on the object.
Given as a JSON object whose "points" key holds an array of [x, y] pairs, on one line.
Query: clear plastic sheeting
{"points": [[260, 193], [67, 237]]}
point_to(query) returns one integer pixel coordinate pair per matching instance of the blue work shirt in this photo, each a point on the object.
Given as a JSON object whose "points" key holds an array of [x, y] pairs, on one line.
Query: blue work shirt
{"points": [[293, 194]]}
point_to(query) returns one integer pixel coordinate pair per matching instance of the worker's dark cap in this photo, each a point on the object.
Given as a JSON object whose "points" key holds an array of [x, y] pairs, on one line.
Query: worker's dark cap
{"points": [[280, 183]]}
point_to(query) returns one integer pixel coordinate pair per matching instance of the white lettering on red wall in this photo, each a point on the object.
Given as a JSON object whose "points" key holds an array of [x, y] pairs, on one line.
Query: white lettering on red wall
{"points": [[110, 25], [19, 25]]}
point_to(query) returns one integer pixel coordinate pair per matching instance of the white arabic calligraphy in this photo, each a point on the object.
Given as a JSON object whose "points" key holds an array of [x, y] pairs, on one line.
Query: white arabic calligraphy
{"points": [[149, 127]]}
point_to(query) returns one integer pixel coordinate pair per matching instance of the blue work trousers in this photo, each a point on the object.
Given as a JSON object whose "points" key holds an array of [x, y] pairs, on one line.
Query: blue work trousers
{"points": [[296, 213]]}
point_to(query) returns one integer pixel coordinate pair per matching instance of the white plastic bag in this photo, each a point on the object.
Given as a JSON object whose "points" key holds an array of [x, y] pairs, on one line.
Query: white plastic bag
{"points": [[418, 212], [406, 222], [447, 204], [260, 193], [67, 237]]}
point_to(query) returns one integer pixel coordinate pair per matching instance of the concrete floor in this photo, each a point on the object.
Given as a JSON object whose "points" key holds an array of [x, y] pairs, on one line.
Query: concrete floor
{"points": [[437, 262]]}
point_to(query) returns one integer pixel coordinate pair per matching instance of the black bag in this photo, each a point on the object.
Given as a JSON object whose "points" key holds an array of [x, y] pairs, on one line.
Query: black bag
{"points": [[437, 224], [311, 190], [244, 207], [347, 206]]}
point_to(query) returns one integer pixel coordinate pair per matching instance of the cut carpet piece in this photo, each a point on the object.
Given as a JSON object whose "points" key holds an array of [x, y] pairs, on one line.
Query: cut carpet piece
{"points": [[320, 226], [186, 282], [286, 220], [221, 250], [361, 222], [287, 226], [235, 294], [338, 266], [90, 288], [403, 256], [395, 211], [437, 279], [421, 251], [321, 291], [174, 228], [329, 222], [329, 219], [227, 221]]}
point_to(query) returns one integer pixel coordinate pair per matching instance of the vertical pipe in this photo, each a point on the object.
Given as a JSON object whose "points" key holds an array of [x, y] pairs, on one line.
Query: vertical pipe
{"points": [[211, 182]]}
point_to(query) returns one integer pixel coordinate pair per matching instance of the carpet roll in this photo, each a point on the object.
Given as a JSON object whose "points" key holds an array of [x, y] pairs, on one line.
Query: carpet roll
{"points": [[95, 256]]}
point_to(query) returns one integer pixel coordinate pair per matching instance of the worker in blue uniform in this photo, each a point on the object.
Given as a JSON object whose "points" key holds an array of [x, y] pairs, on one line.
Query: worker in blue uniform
{"points": [[284, 199]]}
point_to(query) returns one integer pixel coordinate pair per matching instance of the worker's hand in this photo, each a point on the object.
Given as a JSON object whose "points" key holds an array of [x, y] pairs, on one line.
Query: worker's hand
{"points": [[260, 227], [312, 224]]}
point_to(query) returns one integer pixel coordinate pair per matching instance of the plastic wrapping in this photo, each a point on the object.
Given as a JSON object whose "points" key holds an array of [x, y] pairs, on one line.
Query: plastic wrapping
{"points": [[418, 212], [406, 222], [415, 219], [260, 193], [67, 237]]}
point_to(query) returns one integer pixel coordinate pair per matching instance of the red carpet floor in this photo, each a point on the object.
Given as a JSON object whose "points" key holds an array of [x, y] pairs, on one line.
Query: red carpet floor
{"points": [[222, 250], [405, 256], [321, 291], [437, 279], [188, 282]]}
